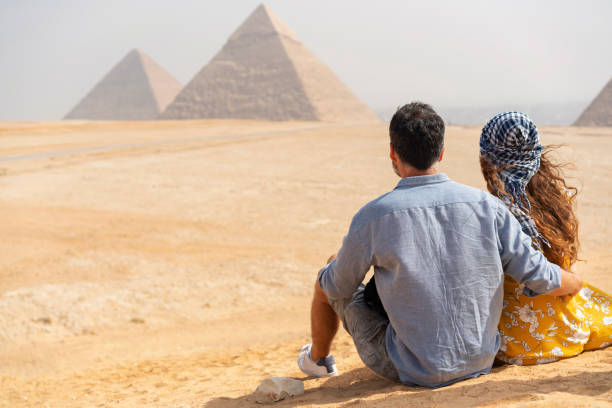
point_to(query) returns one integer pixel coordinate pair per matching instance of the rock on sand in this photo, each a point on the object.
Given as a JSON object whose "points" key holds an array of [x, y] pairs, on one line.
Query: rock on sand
{"points": [[277, 388]]}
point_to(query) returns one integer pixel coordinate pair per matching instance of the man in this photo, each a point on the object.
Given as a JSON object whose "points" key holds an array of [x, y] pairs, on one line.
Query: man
{"points": [[439, 251]]}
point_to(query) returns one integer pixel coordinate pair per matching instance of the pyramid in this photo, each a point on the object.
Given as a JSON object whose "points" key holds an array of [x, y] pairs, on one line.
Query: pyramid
{"points": [[264, 72], [135, 89], [599, 112]]}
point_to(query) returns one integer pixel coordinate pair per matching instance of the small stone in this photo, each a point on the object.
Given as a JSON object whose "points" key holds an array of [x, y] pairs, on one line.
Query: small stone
{"points": [[43, 320], [274, 389]]}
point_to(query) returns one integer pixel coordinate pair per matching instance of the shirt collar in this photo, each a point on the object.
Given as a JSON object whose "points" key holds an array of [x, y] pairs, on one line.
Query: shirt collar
{"points": [[416, 181]]}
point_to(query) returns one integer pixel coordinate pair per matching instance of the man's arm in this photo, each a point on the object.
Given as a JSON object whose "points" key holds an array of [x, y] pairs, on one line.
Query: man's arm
{"points": [[346, 270], [529, 266]]}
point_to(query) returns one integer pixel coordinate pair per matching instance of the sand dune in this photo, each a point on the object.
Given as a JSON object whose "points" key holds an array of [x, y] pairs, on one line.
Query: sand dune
{"points": [[175, 268]]}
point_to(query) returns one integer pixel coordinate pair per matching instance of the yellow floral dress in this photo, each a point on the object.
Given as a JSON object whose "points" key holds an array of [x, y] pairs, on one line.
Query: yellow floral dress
{"points": [[542, 329]]}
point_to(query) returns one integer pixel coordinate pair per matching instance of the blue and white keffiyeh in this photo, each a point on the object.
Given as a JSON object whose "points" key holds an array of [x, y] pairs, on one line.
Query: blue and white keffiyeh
{"points": [[511, 142]]}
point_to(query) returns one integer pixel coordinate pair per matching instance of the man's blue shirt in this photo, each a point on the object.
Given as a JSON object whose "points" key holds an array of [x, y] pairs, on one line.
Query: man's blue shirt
{"points": [[439, 251]]}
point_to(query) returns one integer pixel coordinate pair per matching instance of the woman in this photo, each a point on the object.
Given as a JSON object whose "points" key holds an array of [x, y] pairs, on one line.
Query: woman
{"points": [[519, 171]]}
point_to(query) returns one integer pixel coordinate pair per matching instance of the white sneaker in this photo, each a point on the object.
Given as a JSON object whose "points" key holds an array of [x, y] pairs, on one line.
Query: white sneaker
{"points": [[325, 367]]}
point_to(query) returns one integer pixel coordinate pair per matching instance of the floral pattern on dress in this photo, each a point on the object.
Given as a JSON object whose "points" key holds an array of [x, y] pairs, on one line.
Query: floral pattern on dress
{"points": [[543, 329]]}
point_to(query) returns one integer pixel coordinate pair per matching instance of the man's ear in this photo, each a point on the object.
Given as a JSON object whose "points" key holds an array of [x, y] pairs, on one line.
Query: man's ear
{"points": [[392, 154], [441, 154]]}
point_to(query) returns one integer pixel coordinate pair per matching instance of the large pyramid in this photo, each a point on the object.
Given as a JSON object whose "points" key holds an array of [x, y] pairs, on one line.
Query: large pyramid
{"points": [[599, 112], [135, 89], [265, 72]]}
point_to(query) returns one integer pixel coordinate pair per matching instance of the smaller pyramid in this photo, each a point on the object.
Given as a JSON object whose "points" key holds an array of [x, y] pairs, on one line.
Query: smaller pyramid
{"points": [[264, 72], [599, 112], [135, 89]]}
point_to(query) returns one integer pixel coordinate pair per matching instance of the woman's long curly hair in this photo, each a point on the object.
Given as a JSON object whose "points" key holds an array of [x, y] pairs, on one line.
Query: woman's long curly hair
{"points": [[552, 206]]}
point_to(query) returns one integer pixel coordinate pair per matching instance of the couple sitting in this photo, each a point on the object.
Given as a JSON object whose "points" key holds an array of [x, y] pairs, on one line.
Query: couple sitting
{"points": [[458, 271]]}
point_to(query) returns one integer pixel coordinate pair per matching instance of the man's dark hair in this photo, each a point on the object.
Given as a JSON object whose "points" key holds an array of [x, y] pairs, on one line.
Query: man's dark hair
{"points": [[417, 135]]}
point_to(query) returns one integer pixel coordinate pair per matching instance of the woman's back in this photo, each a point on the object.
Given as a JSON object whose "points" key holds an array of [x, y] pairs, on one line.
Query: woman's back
{"points": [[543, 328]]}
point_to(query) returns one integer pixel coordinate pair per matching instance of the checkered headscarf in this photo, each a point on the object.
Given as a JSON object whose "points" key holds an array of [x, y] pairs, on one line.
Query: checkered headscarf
{"points": [[511, 142]]}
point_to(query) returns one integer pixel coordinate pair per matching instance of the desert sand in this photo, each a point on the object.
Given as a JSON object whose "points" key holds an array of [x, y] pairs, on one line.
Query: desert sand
{"points": [[171, 264]]}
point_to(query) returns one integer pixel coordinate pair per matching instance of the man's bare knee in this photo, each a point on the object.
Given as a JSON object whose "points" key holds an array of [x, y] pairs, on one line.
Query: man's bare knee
{"points": [[319, 294]]}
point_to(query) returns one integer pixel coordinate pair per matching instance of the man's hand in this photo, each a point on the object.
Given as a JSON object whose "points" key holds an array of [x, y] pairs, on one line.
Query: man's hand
{"points": [[571, 284]]}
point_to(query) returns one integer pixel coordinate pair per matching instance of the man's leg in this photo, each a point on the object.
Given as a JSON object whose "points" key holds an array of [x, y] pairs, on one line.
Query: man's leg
{"points": [[314, 358], [323, 324], [323, 321], [367, 328]]}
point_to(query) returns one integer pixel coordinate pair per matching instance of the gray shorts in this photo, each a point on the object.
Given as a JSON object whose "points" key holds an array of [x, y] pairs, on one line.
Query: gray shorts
{"points": [[367, 327]]}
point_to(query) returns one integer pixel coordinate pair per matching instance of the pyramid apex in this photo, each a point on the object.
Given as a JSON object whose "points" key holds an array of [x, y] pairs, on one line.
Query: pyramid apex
{"points": [[263, 7], [263, 21], [135, 54]]}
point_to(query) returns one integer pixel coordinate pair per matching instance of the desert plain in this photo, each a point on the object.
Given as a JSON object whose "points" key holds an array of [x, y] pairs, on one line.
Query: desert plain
{"points": [[171, 263]]}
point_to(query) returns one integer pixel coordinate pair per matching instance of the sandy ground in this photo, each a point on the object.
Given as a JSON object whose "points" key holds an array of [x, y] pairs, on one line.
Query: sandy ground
{"points": [[171, 264]]}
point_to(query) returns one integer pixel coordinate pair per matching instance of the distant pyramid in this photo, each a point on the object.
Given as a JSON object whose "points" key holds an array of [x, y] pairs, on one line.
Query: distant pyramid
{"points": [[265, 72], [599, 112], [135, 89]]}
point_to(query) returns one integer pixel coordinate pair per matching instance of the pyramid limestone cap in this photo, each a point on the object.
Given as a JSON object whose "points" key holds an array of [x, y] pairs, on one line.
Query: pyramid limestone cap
{"points": [[262, 21]]}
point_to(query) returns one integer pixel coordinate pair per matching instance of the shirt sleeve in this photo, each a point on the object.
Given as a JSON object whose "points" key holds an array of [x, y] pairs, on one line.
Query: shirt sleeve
{"points": [[525, 264], [340, 278]]}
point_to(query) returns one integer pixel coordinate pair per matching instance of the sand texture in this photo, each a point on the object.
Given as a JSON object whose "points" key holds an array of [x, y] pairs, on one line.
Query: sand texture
{"points": [[265, 72], [171, 264], [137, 88]]}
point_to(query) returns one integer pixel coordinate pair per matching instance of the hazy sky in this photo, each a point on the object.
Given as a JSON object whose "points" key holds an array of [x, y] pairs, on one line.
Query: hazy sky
{"points": [[448, 53]]}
